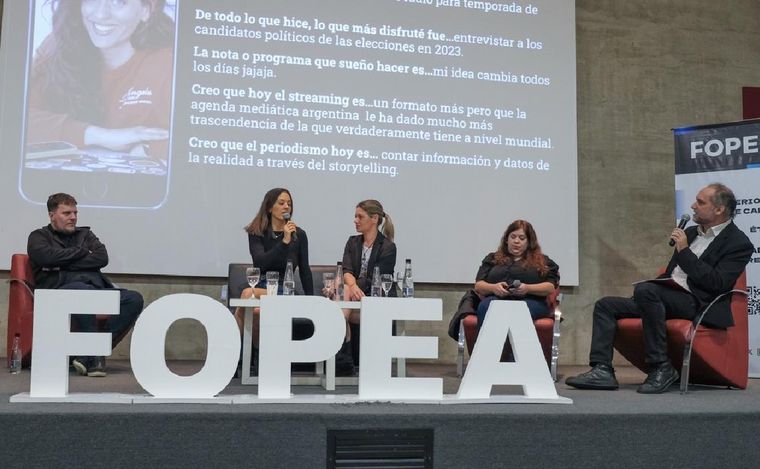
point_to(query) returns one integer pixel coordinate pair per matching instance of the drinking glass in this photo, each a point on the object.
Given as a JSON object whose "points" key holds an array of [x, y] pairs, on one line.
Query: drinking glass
{"points": [[328, 281], [400, 280], [252, 275], [272, 280], [386, 281]]}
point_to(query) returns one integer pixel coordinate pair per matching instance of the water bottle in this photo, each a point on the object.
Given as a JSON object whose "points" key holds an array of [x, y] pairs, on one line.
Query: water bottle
{"points": [[289, 283], [408, 285], [15, 358], [339, 282], [376, 287]]}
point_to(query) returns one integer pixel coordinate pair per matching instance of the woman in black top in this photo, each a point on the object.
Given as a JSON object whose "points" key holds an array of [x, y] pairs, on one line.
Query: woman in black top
{"points": [[518, 257], [273, 242]]}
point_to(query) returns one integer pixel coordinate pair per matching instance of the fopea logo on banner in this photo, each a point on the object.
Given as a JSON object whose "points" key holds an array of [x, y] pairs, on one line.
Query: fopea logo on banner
{"points": [[728, 153], [721, 147]]}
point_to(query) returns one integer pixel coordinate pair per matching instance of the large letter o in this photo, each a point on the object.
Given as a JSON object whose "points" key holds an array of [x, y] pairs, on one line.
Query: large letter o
{"points": [[149, 337]]}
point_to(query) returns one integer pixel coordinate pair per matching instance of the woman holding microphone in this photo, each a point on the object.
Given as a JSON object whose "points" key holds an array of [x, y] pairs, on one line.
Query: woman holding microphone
{"points": [[273, 240]]}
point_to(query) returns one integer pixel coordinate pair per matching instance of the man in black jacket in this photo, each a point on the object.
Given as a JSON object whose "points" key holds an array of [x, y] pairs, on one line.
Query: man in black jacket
{"points": [[707, 260], [66, 256]]}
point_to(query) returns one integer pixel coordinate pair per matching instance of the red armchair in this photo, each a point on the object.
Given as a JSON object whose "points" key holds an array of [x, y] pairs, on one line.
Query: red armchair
{"points": [[703, 355], [21, 306]]}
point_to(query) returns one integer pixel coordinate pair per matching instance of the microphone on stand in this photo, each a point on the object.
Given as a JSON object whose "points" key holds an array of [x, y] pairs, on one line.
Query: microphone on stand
{"points": [[681, 224]]}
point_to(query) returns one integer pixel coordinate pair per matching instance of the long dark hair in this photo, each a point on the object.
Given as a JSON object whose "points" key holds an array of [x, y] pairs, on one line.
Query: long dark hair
{"points": [[533, 256], [67, 65], [263, 219]]}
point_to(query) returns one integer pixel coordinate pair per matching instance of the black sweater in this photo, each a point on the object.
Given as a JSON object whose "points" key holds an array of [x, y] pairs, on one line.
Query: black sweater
{"points": [[269, 253]]}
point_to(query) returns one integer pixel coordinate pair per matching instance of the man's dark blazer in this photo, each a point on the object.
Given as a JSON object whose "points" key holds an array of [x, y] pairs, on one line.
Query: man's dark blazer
{"points": [[715, 271]]}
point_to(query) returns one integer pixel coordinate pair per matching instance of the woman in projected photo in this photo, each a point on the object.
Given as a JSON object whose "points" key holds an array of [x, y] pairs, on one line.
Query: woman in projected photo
{"points": [[517, 271], [103, 77], [273, 241]]}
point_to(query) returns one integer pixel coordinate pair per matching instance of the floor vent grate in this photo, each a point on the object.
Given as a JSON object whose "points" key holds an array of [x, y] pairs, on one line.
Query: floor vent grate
{"points": [[401, 448]]}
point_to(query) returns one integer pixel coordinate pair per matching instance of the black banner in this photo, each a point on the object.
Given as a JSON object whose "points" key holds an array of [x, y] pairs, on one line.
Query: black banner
{"points": [[721, 147]]}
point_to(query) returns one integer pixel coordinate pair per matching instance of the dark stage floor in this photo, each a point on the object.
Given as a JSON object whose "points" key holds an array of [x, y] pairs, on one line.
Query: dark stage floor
{"points": [[699, 399], [708, 427]]}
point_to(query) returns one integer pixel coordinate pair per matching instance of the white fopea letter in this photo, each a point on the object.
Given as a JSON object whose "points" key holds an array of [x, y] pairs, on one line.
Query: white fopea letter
{"points": [[507, 318], [277, 349], [54, 343], [378, 346], [149, 339]]}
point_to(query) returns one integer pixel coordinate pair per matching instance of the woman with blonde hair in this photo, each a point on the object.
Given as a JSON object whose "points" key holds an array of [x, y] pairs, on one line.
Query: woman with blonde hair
{"points": [[373, 246]]}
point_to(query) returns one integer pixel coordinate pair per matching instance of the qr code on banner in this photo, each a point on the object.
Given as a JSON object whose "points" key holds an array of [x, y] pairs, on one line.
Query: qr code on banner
{"points": [[753, 305]]}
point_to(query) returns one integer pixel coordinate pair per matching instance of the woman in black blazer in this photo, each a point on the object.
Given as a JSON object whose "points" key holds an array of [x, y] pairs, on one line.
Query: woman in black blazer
{"points": [[373, 246]]}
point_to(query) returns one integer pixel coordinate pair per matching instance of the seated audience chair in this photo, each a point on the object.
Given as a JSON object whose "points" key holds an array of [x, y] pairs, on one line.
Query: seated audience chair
{"points": [[21, 308], [703, 355], [547, 329]]}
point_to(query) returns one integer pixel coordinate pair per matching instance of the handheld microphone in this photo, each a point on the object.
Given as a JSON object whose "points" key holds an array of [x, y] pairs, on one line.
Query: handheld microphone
{"points": [[681, 224], [286, 217]]}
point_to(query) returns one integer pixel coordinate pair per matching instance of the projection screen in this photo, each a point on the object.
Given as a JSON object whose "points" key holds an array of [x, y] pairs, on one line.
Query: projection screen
{"points": [[458, 116]]}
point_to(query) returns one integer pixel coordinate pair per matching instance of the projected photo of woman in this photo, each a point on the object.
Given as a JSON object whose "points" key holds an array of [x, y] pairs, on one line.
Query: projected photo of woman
{"points": [[516, 271], [101, 83]]}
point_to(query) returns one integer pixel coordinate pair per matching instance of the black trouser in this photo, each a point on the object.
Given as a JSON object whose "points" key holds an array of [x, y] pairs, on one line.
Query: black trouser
{"points": [[130, 307], [653, 303]]}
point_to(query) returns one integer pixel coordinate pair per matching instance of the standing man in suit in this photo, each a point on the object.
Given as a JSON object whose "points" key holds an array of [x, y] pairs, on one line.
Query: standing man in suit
{"points": [[66, 256], [707, 260]]}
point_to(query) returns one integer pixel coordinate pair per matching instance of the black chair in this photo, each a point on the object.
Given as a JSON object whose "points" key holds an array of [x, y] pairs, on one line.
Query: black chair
{"points": [[236, 283]]}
